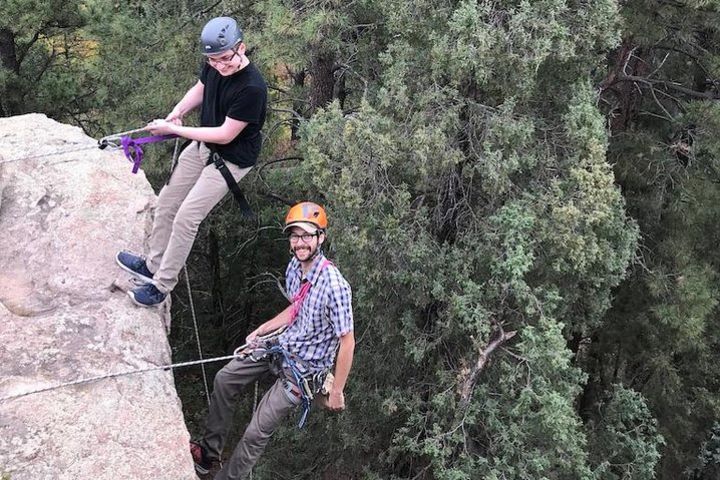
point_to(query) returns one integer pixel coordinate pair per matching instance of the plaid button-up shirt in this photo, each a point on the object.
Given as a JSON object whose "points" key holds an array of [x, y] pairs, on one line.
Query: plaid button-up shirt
{"points": [[325, 315]]}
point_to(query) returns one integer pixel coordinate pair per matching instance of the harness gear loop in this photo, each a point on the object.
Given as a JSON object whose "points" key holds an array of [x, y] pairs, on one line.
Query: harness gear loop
{"points": [[289, 372], [232, 184]]}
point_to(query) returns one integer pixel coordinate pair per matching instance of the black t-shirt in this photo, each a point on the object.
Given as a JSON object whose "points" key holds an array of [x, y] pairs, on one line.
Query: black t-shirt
{"points": [[240, 96]]}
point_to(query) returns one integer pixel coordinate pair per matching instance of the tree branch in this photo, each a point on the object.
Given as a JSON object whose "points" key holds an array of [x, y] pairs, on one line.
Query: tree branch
{"points": [[671, 85], [274, 196], [23, 50], [49, 61], [278, 160], [287, 110], [484, 354]]}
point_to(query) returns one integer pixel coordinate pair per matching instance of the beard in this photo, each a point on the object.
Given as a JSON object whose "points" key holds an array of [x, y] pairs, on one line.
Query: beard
{"points": [[303, 252]]}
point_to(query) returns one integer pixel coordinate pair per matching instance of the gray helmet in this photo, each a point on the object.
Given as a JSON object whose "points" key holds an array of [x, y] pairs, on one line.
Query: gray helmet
{"points": [[219, 35]]}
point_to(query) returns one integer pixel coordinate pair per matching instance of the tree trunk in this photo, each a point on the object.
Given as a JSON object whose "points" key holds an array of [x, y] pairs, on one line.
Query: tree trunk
{"points": [[8, 53], [322, 80], [10, 98], [339, 91], [298, 106]]}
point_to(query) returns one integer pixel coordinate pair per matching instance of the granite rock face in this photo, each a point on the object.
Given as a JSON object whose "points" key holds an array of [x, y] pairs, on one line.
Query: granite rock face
{"points": [[62, 218]]}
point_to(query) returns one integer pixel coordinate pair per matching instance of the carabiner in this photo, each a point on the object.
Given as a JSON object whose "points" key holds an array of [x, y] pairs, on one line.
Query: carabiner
{"points": [[113, 140]]}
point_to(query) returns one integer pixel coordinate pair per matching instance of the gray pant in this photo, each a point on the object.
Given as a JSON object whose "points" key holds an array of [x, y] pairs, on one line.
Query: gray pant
{"points": [[275, 405], [183, 203]]}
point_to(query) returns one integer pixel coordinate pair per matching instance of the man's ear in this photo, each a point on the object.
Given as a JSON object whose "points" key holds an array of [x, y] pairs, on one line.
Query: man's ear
{"points": [[241, 48], [321, 238]]}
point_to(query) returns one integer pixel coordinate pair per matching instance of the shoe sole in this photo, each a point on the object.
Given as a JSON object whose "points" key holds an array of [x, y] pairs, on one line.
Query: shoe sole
{"points": [[201, 470], [132, 297], [133, 272]]}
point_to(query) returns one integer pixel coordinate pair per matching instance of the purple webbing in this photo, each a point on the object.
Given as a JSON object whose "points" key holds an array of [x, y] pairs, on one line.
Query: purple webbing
{"points": [[132, 149]]}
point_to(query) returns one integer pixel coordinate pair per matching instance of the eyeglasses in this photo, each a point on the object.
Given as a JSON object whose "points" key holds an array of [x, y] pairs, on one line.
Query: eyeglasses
{"points": [[221, 60], [306, 237]]}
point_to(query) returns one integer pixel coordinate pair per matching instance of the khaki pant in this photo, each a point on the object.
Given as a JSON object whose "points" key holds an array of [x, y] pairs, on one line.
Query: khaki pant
{"points": [[275, 405], [194, 189]]}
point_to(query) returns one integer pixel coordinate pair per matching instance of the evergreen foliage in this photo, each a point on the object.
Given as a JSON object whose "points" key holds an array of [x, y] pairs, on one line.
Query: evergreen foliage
{"points": [[522, 195], [42, 57], [709, 458]]}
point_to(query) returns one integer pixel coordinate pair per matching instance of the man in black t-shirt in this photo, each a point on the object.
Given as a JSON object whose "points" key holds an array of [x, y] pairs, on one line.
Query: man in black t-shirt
{"points": [[232, 96]]}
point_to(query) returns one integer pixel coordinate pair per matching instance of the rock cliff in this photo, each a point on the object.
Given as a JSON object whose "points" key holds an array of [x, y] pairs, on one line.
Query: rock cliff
{"points": [[62, 218]]}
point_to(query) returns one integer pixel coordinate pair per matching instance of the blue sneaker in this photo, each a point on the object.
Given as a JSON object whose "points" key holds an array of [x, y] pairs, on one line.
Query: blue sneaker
{"points": [[147, 296], [135, 265]]}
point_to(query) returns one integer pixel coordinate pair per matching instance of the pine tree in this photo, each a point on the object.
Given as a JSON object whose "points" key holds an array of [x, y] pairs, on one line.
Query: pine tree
{"points": [[474, 209], [42, 51]]}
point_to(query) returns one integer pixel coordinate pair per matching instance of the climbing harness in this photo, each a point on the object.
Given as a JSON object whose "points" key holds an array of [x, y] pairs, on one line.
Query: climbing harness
{"points": [[290, 361], [306, 393], [268, 346], [219, 163], [287, 368], [131, 146]]}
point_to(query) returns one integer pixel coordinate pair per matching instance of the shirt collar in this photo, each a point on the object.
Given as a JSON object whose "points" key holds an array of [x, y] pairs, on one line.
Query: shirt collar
{"points": [[314, 272]]}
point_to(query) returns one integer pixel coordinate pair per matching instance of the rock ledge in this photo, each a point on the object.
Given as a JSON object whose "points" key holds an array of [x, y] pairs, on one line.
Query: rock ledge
{"points": [[62, 218]]}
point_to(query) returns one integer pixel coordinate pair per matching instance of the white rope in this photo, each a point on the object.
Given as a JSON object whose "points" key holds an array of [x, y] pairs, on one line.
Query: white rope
{"points": [[117, 374], [103, 142], [197, 333], [239, 352], [41, 155], [192, 303], [255, 403], [117, 136]]}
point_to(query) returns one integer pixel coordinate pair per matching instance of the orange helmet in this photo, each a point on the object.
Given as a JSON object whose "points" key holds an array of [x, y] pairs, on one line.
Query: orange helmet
{"points": [[309, 216]]}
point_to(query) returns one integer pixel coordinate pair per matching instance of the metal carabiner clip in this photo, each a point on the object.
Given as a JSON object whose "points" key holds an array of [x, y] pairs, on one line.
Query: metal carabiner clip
{"points": [[113, 141], [109, 141]]}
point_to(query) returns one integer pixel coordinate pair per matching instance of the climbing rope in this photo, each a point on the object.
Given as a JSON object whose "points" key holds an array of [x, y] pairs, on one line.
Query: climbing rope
{"points": [[239, 352], [132, 146], [192, 303], [255, 404], [112, 139], [116, 141], [105, 142], [118, 374], [50, 154], [197, 333]]}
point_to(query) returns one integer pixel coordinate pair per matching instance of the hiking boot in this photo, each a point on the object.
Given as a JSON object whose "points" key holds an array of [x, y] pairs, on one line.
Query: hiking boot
{"points": [[147, 295], [135, 265], [205, 467]]}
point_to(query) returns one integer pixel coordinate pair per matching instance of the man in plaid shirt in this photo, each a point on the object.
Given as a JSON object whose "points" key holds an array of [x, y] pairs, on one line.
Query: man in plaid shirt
{"points": [[318, 334]]}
